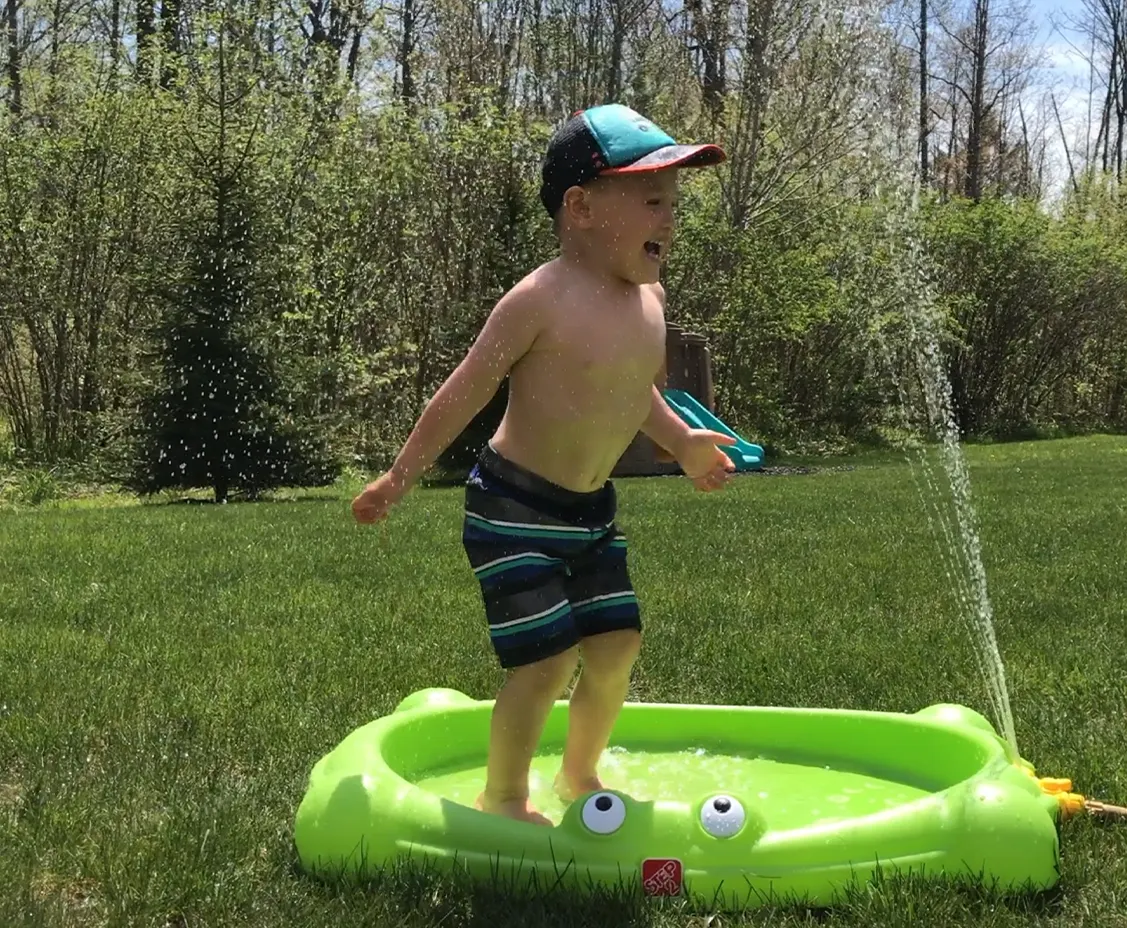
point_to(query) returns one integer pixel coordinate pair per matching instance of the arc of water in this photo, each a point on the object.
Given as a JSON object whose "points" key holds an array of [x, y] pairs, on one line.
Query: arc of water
{"points": [[958, 542]]}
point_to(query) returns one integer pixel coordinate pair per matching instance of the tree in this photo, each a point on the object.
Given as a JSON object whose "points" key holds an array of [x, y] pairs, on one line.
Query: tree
{"points": [[1105, 24], [986, 64], [925, 116], [14, 65], [216, 419]]}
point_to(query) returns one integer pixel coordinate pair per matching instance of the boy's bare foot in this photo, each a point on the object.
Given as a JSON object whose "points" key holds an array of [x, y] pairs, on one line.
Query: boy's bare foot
{"points": [[570, 788], [519, 809]]}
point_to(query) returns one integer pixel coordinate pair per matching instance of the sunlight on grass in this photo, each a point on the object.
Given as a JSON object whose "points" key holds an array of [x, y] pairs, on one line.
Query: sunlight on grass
{"points": [[171, 673]]}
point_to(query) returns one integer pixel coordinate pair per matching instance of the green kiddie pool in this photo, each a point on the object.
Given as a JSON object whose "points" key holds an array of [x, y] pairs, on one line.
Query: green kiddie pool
{"points": [[734, 805]]}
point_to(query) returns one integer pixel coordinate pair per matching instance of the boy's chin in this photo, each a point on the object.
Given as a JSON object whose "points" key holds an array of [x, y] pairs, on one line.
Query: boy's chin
{"points": [[637, 272], [648, 273]]}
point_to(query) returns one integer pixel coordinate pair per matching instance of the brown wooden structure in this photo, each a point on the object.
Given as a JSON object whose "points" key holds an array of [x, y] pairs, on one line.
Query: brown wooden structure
{"points": [[688, 367]]}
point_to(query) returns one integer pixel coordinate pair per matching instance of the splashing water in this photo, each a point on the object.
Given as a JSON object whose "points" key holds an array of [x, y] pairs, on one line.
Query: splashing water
{"points": [[910, 303], [790, 792]]}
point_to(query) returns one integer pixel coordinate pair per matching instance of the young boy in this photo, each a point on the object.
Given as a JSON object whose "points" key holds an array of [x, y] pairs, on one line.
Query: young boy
{"points": [[582, 339]]}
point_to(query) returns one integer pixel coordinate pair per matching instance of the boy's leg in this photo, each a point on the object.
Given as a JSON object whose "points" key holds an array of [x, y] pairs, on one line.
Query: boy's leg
{"points": [[532, 632], [609, 623], [518, 719], [594, 707]]}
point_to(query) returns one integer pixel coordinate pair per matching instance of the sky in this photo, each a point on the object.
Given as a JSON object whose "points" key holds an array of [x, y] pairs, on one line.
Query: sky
{"points": [[1067, 74]]}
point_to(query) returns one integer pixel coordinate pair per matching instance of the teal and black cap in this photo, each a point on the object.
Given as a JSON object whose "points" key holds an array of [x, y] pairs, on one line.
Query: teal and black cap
{"points": [[612, 139]]}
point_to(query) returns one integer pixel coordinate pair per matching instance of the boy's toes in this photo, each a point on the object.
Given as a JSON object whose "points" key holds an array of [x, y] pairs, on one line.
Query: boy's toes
{"points": [[520, 810], [571, 788]]}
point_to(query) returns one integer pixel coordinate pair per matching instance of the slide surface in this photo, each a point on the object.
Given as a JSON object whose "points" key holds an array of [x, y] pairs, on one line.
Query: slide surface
{"points": [[744, 454]]}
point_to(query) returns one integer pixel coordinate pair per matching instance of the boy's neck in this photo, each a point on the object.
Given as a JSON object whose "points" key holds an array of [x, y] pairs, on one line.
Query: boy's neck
{"points": [[580, 254]]}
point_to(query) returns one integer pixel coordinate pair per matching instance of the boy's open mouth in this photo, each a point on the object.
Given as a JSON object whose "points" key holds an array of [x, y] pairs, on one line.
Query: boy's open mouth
{"points": [[654, 249]]}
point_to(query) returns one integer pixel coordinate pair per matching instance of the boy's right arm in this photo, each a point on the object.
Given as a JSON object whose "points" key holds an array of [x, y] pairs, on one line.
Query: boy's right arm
{"points": [[508, 334]]}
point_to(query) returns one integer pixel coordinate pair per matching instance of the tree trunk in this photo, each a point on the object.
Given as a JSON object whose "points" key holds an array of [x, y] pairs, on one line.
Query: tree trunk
{"points": [[354, 53], [146, 30], [617, 41], [923, 96], [711, 35], [538, 57], [170, 30], [115, 33], [15, 74], [406, 48], [977, 113]]}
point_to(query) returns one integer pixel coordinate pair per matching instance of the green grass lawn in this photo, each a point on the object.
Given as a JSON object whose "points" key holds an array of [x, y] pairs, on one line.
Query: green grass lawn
{"points": [[170, 673]]}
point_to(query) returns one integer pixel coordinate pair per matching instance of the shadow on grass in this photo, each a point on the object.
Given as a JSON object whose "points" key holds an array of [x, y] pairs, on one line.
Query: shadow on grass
{"points": [[296, 497], [419, 893]]}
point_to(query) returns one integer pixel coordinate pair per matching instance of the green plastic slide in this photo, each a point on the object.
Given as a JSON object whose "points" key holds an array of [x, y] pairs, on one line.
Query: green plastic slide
{"points": [[743, 453]]}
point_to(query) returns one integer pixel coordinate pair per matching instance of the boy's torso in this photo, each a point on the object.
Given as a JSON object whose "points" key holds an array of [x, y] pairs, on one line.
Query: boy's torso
{"points": [[580, 395]]}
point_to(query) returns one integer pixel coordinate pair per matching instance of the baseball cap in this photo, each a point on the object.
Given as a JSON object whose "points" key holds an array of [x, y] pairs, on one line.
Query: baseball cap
{"points": [[612, 139]]}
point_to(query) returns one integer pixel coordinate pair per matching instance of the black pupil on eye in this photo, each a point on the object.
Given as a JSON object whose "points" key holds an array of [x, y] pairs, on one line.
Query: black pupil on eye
{"points": [[603, 803], [721, 805]]}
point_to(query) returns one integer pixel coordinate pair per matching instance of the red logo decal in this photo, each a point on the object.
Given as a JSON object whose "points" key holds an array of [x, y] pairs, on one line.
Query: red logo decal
{"points": [[661, 876]]}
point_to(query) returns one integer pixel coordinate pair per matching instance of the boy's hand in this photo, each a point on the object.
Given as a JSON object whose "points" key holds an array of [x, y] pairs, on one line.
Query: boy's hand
{"points": [[378, 497], [703, 463]]}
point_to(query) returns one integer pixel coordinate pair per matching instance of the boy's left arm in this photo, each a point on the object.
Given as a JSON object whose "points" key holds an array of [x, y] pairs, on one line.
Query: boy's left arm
{"points": [[663, 426], [694, 449]]}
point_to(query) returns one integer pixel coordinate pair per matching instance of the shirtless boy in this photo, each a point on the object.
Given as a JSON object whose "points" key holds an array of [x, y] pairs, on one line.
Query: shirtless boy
{"points": [[582, 339]]}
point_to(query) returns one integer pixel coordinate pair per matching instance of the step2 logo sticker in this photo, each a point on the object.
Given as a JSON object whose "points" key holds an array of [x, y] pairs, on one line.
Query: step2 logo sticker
{"points": [[661, 876]]}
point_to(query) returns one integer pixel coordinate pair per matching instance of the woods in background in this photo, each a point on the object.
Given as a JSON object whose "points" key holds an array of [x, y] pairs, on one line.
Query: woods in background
{"points": [[333, 195]]}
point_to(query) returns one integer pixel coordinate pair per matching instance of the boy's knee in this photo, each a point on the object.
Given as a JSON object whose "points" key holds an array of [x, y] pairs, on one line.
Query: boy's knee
{"points": [[612, 653], [550, 674]]}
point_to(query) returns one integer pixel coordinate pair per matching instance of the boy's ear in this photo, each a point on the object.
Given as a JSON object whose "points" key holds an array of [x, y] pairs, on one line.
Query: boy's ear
{"points": [[577, 206]]}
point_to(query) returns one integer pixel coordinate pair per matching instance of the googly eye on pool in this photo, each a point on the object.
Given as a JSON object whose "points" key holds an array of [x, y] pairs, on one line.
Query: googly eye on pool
{"points": [[604, 813], [722, 816]]}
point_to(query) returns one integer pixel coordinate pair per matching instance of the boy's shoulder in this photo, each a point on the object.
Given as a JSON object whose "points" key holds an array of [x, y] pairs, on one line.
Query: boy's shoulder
{"points": [[552, 277], [551, 293]]}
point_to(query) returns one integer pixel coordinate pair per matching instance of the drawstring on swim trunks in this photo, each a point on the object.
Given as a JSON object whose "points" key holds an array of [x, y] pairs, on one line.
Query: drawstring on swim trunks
{"points": [[582, 558]]}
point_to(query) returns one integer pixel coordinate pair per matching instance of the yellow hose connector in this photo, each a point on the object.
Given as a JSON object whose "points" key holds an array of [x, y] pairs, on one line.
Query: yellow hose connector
{"points": [[1072, 803]]}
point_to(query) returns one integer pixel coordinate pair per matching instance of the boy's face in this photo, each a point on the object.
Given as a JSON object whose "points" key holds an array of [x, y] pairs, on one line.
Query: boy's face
{"points": [[631, 217]]}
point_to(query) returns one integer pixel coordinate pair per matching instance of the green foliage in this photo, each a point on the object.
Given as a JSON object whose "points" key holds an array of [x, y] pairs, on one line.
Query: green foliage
{"points": [[385, 235], [782, 322], [87, 204], [457, 460], [215, 420], [1038, 310], [31, 487]]}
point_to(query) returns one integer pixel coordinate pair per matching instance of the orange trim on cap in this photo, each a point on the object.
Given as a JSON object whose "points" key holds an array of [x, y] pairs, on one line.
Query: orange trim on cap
{"points": [[675, 162]]}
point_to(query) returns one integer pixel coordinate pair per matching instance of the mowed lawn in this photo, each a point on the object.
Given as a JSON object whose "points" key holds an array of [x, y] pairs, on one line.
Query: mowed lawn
{"points": [[170, 673]]}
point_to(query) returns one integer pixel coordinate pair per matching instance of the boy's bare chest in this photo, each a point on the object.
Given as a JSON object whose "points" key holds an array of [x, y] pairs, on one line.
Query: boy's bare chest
{"points": [[593, 344]]}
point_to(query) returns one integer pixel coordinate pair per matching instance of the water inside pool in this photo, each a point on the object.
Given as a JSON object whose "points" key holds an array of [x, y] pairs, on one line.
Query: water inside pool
{"points": [[789, 794]]}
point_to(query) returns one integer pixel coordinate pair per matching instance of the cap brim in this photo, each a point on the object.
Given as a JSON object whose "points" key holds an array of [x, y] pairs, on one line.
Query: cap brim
{"points": [[673, 156]]}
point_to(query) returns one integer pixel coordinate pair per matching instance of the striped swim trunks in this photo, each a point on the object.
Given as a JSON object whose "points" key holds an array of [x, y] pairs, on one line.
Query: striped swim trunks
{"points": [[551, 562]]}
